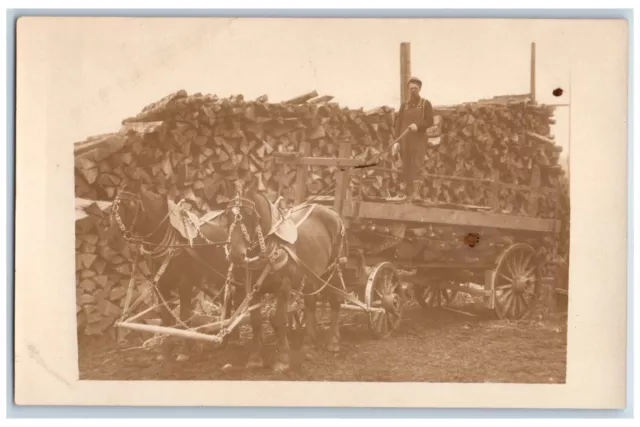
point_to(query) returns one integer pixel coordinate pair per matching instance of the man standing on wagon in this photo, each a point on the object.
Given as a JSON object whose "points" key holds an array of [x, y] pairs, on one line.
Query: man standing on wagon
{"points": [[417, 115]]}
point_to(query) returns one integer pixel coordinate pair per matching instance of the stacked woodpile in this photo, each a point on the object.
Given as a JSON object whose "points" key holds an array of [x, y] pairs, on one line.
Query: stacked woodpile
{"points": [[102, 274], [193, 147], [479, 143]]}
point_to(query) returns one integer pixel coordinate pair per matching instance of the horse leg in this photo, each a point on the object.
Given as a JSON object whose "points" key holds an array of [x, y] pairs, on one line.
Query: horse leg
{"points": [[237, 295], [185, 314], [280, 323], [310, 339], [334, 330], [255, 357]]}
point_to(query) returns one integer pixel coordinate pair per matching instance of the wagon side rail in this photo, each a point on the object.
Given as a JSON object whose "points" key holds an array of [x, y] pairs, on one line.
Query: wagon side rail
{"points": [[342, 194]]}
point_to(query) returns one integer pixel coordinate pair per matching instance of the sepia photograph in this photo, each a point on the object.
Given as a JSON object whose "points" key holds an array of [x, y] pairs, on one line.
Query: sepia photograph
{"points": [[337, 228], [320, 200]]}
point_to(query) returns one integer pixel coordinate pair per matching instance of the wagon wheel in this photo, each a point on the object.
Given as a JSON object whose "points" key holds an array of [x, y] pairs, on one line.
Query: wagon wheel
{"points": [[516, 282], [434, 295], [382, 291]]}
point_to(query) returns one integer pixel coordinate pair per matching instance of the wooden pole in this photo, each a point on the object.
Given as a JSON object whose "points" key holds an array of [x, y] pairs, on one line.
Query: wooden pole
{"points": [[532, 86], [405, 69], [169, 331], [302, 175]]}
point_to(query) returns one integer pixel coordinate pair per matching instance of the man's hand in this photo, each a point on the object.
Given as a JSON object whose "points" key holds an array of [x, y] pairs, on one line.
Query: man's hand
{"points": [[413, 127], [394, 149]]}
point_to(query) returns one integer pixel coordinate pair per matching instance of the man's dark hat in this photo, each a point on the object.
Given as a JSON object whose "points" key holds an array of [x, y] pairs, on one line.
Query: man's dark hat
{"points": [[415, 80]]}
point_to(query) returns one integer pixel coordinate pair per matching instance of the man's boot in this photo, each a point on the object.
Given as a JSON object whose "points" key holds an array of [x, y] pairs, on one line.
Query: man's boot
{"points": [[404, 195], [415, 195]]}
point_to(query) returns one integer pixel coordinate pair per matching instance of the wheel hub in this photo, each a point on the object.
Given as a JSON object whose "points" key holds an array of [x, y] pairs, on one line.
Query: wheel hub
{"points": [[391, 302], [520, 284]]}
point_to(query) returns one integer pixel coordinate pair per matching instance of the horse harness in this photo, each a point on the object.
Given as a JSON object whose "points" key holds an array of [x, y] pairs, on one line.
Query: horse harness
{"points": [[276, 253]]}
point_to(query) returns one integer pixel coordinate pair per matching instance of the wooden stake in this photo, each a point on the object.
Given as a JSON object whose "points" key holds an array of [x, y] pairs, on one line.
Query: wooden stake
{"points": [[405, 69], [532, 87]]}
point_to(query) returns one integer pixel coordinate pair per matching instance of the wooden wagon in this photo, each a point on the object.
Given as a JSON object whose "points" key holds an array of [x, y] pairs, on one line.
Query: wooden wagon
{"points": [[395, 253]]}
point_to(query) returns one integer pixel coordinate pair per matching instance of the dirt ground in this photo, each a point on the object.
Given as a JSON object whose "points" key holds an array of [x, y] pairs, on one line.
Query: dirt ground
{"points": [[435, 345]]}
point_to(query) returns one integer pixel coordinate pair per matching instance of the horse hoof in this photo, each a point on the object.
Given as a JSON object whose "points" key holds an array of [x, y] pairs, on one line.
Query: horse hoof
{"points": [[182, 358], [333, 347], [309, 353], [161, 358], [254, 363], [280, 367]]}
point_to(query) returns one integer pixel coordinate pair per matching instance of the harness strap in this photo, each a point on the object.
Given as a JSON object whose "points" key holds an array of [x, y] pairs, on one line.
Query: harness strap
{"points": [[307, 269]]}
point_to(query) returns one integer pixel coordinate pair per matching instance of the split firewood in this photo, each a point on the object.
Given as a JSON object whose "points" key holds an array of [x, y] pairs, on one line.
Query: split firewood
{"points": [[496, 154]]}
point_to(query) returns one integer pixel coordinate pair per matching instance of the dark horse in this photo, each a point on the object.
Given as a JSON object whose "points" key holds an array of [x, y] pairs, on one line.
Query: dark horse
{"points": [[305, 256], [142, 216]]}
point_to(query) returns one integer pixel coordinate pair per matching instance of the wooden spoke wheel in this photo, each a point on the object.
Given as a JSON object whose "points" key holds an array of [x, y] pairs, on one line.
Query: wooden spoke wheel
{"points": [[435, 295], [516, 282], [383, 292]]}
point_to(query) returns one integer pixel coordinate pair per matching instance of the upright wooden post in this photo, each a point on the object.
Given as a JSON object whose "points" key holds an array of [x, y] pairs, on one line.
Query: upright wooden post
{"points": [[342, 179], [405, 69], [534, 192], [532, 86], [494, 191], [301, 176]]}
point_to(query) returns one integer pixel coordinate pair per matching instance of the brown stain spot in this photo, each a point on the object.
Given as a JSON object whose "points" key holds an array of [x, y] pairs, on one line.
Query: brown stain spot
{"points": [[472, 239], [558, 92]]}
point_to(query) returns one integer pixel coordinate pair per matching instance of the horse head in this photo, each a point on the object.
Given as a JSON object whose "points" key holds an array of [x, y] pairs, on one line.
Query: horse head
{"points": [[249, 216], [136, 213]]}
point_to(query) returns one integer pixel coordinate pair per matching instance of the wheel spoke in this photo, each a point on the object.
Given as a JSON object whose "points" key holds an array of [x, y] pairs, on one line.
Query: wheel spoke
{"points": [[508, 279], [506, 294], [390, 322], [510, 267], [525, 264], [380, 322], [383, 323], [509, 302], [516, 305], [524, 303], [394, 286], [529, 271]]}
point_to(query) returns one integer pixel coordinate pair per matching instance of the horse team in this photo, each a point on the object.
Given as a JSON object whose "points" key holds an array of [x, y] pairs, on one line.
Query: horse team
{"points": [[308, 265]]}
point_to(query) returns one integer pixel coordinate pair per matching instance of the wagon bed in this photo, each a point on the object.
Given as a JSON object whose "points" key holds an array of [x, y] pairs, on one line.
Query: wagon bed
{"points": [[500, 274]]}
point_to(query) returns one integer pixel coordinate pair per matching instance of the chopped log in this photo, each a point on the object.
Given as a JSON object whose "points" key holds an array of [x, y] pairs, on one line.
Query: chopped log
{"points": [[320, 99], [301, 99], [188, 146]]}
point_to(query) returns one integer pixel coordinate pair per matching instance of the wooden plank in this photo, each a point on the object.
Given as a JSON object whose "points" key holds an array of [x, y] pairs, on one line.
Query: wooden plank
{"points": [[534, 201], [301, 176], [318, 161], [420, 214], [342, 178], [540, 138], [478, 180]]}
